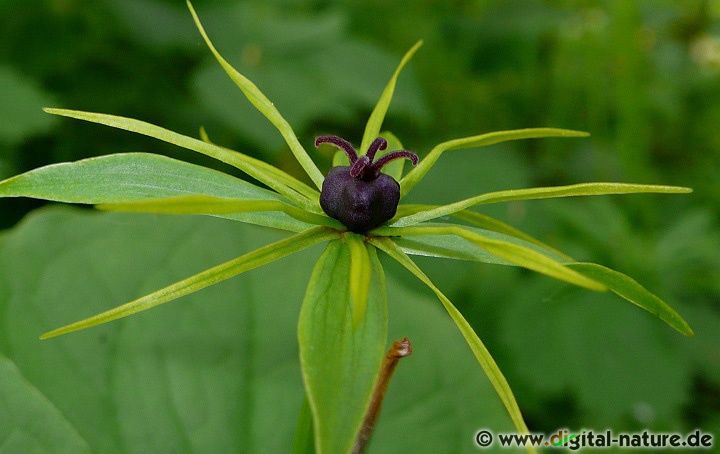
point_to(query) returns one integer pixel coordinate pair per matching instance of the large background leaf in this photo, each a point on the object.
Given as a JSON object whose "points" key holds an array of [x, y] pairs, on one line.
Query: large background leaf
{"points": [[29, 422], [217, 370]]}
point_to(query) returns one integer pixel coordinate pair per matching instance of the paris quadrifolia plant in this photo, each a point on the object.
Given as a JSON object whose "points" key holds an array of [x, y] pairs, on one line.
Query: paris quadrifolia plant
{"points": [[356, 209]]}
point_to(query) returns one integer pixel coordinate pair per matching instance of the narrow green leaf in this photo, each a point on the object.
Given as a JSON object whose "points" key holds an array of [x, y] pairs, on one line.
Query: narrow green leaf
{"points": [[415, 175], [205, 204], [304, 442], [340, 159], [372, 129], [513, 253], [458, 248], [582, 189], [340, 361], [359, 275], [632, 291], [490, 223], [265, 106], [484, 221], [481, 353], [407, 209], [393, 168], [219, 273], [260, 170], [281, 176]]}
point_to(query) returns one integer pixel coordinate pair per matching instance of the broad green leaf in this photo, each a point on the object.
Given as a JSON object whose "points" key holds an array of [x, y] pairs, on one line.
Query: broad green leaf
{"points": [[260, 170], [483, 356], [258, 257], [414, 176], [630, 290], [340, 359], [372, 129], [582, 189], [28, 420], [211, 205], [265, 106], [518, 254], [619, 363], [219, 372], [140, 176], [127, 177]]}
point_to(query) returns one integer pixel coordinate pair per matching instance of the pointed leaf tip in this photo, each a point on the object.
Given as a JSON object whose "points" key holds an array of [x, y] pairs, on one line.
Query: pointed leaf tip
{"points": [[263, 105], [415, 175], [632, 291], [372, 128]]}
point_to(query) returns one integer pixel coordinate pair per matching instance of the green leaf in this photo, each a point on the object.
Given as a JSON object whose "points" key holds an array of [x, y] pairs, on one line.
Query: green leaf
{"points": [[426, 163], [308, 62], [28, 420], [219, 372], [630, 290], [360, 272], [265, 106], [495, 225], [280, 175], [140, 176], [211, 205], [258, 257], [127, 177], [478, 348], [340, 359], [372, 129], [599, 338], [304, 441], [260, 170], [582, 189], [527, 257], [456, 247]]}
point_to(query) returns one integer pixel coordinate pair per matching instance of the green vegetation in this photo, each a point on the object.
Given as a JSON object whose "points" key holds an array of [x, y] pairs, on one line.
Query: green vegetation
{"points": [[213, 372]]}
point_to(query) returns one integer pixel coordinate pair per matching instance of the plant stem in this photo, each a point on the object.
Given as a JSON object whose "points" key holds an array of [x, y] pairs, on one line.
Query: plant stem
{"points": [[399, 349]]}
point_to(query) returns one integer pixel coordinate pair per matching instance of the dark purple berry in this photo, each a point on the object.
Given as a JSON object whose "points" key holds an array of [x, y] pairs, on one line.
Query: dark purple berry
{"points": [[359, 195]]}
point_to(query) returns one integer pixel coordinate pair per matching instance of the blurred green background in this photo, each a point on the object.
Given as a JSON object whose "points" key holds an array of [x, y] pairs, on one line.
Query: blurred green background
{"points": [[643, 77]]}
